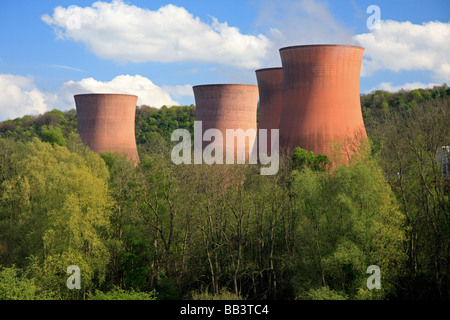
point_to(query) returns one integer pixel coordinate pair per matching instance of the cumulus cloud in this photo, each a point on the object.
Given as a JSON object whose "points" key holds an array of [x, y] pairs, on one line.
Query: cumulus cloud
{"points": [[404, 46], [123, 32], [396, 46], [148, 93], [19, 96]]}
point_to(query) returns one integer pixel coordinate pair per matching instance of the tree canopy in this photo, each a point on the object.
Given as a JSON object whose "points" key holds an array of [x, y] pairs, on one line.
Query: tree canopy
{"points": [[164, 231]]}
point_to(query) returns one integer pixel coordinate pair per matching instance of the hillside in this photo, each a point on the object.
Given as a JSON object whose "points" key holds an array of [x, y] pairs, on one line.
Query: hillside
{"points": [[162, 231], [154, 124]]}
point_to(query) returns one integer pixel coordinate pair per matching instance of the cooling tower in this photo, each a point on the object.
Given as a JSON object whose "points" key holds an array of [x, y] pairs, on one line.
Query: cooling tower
{"points": [[321, 100], [106, 122], [227, 106], [270, 85]]}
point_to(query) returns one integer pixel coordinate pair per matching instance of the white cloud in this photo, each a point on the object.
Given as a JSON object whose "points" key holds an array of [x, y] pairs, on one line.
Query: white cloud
{"points": [[148, 93], [404, 46], [387, 86], [123, 33], [19, 96]]}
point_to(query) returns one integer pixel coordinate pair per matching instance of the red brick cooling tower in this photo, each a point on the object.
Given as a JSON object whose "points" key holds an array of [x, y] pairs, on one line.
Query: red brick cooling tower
{"points": [[106, 122], [226, 106], [270, 84], [321, 99]]}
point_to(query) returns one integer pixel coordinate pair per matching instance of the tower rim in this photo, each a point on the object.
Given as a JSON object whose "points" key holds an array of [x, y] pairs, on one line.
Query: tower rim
{"points": [[224, 85], [322, 45], [268, 69], [105, 94]]}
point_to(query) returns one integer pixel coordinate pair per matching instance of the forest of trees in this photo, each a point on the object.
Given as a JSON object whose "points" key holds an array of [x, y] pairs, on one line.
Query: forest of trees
{"points": [[165, 231]]}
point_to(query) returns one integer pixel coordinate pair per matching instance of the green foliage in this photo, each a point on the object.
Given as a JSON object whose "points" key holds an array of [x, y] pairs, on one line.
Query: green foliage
{"points": [[53, 135], [155, 126], [14, 286], [378, 106], [349, 220], [58, 210], [226, 232], [167, 289], [306, 159], [411, 139], [53, 126], [120, 294], [324, 293]]}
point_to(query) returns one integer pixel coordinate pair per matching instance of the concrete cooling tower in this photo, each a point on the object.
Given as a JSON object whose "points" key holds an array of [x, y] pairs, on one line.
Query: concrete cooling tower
{"points": [[270, 84], [321, 100], [106, 122], [227, 106]]}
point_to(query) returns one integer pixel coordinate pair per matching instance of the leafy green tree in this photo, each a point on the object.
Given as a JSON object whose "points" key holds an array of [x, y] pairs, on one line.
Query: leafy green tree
{"points": [[349, 221], [411, 140], [60, 210], [16, 287], [53, 135], [306, 159]]}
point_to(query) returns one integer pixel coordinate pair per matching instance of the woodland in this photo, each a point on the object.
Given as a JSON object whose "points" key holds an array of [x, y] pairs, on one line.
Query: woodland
{"points": [[160, 231]]}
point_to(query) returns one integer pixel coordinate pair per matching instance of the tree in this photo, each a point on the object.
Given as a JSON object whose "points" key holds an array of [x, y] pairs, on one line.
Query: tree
{"points": [[411, 140], [53, 135], [60, 213], [349, 220], [15, 286], [306, 159]]}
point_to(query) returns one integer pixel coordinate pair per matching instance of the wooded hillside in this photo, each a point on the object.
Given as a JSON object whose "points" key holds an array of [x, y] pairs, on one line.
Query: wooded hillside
{"points": [[165, 231]]}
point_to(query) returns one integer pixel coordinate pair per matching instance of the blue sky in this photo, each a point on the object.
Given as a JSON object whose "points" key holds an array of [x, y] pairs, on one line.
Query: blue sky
{"points": [[53, 49]]}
